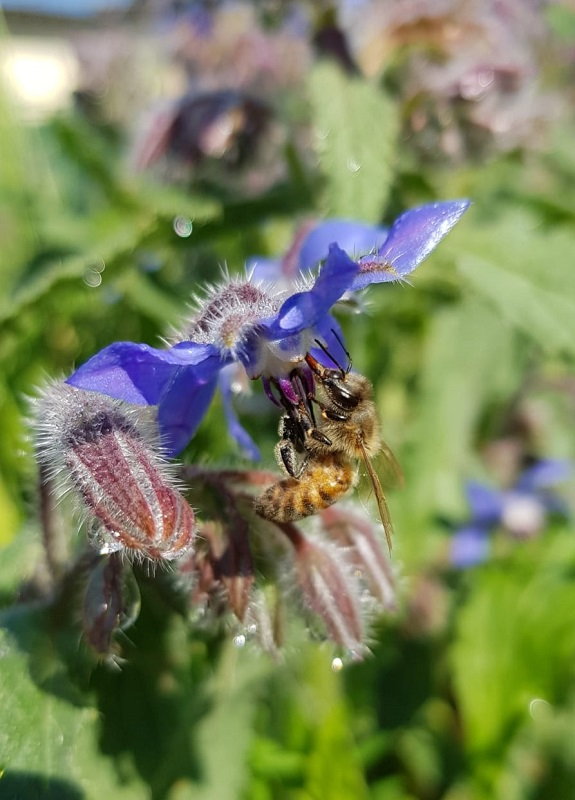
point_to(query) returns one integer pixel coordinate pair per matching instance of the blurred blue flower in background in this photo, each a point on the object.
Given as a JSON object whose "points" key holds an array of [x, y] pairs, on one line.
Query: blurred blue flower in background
{"points": [[521, 511], [267, 326]]}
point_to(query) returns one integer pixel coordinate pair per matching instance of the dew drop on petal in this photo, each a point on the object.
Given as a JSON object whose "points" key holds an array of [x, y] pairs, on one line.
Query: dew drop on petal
{"points": [[183, 227], [239, 640]]}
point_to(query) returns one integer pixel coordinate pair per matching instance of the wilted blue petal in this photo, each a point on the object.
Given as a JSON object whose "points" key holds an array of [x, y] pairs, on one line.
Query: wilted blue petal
{"points": [[354, 238], [411, 238], [546, 472], [238, 432], [486, 503], [305, 309], [469, 546], [136, 373]]}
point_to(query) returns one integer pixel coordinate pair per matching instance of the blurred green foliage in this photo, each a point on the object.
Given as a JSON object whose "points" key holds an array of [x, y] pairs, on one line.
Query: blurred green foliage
{"points": [[470, 692]]}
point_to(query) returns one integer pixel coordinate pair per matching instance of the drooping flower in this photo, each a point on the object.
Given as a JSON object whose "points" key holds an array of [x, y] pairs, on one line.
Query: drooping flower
{"points": [[108, 456], [265, 327], [521, 511]]}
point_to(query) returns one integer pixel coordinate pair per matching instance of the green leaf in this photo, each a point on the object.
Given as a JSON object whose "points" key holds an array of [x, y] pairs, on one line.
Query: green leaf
{"points": [[469, 360], [355, 129], [515, 641], [48, 745], [122, 235], [526, 274]]}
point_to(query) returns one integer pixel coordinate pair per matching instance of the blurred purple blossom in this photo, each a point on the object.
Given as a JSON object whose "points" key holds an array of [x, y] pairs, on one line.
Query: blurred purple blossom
{"points": [[521, 511], [471, 77]]}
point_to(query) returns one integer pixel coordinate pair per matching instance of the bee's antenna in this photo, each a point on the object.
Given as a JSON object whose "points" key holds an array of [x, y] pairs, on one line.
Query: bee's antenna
{"points": [[345, 350], [329, 355]]}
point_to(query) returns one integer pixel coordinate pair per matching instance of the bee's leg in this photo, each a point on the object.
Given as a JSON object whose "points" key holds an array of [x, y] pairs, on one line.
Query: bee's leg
{"points": [[330, 413], [316, 434], [287, 455]]}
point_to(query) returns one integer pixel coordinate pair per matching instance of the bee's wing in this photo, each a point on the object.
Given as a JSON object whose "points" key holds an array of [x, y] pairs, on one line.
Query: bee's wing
{"points": [[389, 464], [379, 496]]}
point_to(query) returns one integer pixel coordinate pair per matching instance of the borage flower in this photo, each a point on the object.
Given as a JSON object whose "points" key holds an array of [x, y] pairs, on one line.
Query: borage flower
{"points": [[265, 327], [521, 511]]}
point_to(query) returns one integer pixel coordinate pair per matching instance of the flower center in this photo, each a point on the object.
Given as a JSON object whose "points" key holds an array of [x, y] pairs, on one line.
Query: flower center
{"points": [[523, 516]]}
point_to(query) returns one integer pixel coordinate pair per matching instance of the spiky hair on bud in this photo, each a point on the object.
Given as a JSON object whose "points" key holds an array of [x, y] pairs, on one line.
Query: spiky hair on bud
{"points": [[228, 312], [107, 455], [329, 590]]}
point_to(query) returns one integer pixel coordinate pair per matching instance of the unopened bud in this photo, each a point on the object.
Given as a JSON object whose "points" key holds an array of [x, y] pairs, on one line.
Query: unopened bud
{"points": [[330, 590], [108, 454], [111, 602], [366, 552]]}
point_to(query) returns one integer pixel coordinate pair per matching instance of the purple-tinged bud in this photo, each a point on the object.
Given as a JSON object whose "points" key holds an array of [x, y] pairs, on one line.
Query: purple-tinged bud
{"points": [[111, 602], [366, 553], [236, 569], [108, 454], [329, 589]]}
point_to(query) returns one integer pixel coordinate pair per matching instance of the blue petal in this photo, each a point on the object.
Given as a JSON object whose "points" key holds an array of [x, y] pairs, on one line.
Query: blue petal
{"points": [[136, 373], [184, 404], [546, 472], [411, 239], [355, 238], [237, 431], [306, 309], [330, 333], [180, 380], [469, 546], [486, 503]]}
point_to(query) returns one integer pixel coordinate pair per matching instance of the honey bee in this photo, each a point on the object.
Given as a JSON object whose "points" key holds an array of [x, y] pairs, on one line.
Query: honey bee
{"points": [[320, 459]]}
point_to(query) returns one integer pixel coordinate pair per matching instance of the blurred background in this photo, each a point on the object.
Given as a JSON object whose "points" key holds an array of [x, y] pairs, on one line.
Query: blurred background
{"points": [[145, 144]]}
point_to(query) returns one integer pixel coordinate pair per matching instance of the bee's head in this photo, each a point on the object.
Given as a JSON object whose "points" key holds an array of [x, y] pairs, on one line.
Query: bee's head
{"points": [[344, 389]]}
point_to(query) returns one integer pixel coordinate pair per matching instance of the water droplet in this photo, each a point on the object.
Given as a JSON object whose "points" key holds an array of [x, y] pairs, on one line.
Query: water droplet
{"points": [[337, 665], [252, 629], [539, 708], [92, 278], [183, 227], [239, 640], [353, 165]]}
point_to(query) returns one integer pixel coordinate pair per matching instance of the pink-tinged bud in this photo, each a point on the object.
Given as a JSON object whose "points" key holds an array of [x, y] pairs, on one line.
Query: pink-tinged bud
{"points": [[111, 602], [329, 589], [227, 563], [236, 569], [365, 551], [107, 453]]}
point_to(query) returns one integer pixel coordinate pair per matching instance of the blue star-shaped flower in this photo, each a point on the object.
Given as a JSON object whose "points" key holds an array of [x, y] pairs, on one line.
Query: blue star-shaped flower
{"points": [[521, 510], [267, 327]]}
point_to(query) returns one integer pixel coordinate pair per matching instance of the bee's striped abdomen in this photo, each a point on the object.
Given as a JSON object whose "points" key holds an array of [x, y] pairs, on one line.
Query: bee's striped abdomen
{"points": [[324, 481]]}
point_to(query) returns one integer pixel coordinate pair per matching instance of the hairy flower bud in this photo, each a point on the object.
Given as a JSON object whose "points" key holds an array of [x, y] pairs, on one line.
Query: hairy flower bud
{"points": [[111, 602], [329, 589], [108, 455], [358, 533]]}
